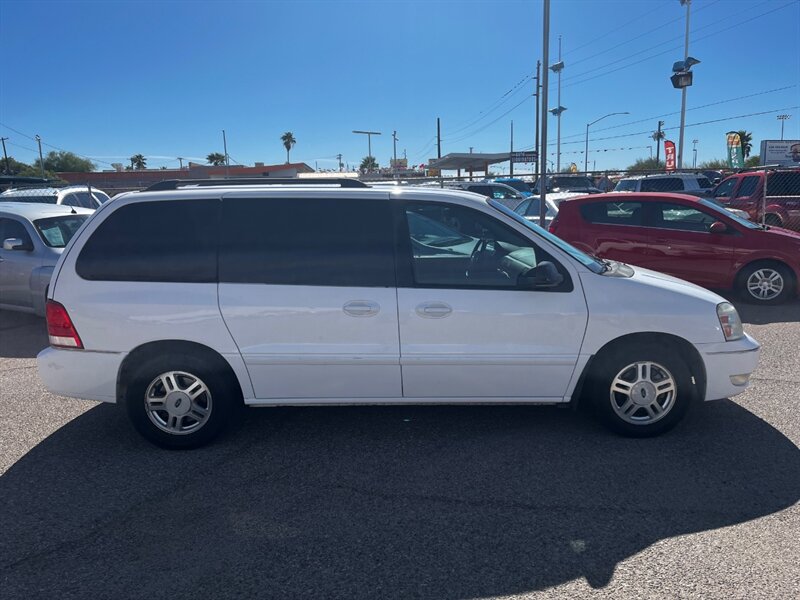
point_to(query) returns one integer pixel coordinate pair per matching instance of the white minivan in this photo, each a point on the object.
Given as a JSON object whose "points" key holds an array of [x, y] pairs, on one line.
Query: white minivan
{"points": [[185, 302]]}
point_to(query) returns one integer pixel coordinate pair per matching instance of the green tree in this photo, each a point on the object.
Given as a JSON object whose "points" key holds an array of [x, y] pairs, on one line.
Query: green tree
{"points": [[22, 169], [715, 164], [138, 162], [753, 161], [65, 162], [288, 143], [747, 142], [216, 158], [647, 164], [368, 164]]}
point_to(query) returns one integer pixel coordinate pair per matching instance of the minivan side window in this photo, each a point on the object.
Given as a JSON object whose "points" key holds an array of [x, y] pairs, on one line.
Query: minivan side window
{"points": [[458, 247], [162, 241], [307, 241], [613, 213], [662, 184]]}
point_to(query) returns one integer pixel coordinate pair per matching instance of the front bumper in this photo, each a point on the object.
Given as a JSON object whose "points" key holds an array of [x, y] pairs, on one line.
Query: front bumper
{"points": [[729, 366], [82, 374]]}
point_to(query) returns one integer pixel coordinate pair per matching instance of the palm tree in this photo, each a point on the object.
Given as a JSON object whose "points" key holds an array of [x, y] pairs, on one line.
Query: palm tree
{"points": [[216, 158], [746, 139], [288, 141], [138, 162], [368, 164]]}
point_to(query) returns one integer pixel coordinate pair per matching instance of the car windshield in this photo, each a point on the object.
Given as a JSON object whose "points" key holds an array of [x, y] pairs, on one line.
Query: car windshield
{"points": [[520, 186], [593, 264], [721, 209], [56, 232], [570, 183]]}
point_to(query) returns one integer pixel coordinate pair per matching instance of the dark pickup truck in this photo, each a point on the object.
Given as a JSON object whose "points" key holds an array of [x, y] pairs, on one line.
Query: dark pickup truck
{"points": [[745, 191]]}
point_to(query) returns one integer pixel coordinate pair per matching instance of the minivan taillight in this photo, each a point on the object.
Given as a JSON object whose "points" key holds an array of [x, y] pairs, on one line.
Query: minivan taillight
{"points": [[60, 328], [553, 225]]}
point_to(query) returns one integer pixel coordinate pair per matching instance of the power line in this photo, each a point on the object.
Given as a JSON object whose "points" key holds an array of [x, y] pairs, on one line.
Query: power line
{"points": [[51, 145], [509, 111], [605, 35]]}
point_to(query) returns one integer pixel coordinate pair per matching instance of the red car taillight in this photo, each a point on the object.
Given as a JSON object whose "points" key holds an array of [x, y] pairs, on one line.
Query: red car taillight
{"points": [[60, 328], [553, 225]]}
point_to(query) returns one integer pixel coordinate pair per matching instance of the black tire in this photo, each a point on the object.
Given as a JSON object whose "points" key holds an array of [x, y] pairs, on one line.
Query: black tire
{"points": [[613, 362], [222, 398], [746, 274]]}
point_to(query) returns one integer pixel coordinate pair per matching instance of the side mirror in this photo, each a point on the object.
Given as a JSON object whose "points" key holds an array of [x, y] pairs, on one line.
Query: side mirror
{"points": [[543, 275], [16, 244], [718, 227]]}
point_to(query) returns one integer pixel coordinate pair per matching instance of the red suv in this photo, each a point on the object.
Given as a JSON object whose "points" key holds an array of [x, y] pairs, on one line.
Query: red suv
{"points": [[745, 191], [687, 237]]}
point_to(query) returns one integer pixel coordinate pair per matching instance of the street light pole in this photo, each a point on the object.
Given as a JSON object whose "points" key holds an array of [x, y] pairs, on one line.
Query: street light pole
{"points": [[586, 149], [225, 149], [557, 68], [543, 148], [688, 4], [369, 135], [694, 151]]}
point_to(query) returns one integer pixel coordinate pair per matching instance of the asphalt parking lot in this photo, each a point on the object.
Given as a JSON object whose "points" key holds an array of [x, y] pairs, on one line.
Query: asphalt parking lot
{"points": [[403, 502]]}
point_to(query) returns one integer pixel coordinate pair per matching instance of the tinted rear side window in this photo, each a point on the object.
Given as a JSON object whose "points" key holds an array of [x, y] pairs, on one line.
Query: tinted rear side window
{"points": [[170, 241], [784, 184], [662, 184], [307, 241], [613, 213]]}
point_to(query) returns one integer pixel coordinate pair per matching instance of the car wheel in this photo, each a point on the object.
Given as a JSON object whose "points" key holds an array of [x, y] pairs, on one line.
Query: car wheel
{"points": [[766, 283], [181, 402], [641, 391]]}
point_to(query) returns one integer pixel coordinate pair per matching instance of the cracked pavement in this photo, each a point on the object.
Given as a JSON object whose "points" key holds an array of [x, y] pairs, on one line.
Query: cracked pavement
{"points": [[403, 502]]}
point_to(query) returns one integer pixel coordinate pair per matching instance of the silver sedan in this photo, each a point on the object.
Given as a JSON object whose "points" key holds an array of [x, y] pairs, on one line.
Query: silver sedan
{"points": [[33, 236]]}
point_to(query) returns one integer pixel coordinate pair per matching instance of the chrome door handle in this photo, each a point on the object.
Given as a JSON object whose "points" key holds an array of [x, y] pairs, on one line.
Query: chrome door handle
{"points": [[361, 308], [434, 310]]}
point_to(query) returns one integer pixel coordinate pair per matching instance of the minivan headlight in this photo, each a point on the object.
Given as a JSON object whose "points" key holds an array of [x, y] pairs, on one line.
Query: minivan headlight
{"points": [[729, 321]]}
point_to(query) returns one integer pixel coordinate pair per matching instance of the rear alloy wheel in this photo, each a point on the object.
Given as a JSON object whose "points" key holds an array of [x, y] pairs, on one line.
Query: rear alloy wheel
{"points": [[765, 284], [180, 402], [642, 390]]}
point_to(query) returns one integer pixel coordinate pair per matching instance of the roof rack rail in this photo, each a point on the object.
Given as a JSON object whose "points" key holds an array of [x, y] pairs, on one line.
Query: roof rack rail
{"points": [[174, 184]]}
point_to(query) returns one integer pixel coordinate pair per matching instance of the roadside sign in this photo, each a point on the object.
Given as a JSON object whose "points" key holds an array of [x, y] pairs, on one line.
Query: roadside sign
{"points": [[525, 157]]}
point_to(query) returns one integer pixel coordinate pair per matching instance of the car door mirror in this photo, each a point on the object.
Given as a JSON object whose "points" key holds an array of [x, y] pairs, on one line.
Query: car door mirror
{"points": [[718, 227], [543, 275], [17, 244]]}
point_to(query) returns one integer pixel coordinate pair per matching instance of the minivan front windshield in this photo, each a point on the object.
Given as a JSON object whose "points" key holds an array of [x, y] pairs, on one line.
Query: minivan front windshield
{"points": [[593, 264]]}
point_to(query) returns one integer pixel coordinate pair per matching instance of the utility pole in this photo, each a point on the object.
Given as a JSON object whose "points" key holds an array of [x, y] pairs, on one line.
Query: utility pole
{"points": [[394, 144], [511, 155], [339, 158], [557, 68], [438, 138], [181, 162], [694, 151], [41, 159], [536, 93], [543, 155], [781, 118], [658, 141], [683, 91], [8, 168], [225, 148]]}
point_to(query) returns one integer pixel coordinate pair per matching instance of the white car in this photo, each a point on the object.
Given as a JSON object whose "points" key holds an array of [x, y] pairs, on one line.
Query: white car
{"points": [[79, 196], [183, 303], [695, 184]]}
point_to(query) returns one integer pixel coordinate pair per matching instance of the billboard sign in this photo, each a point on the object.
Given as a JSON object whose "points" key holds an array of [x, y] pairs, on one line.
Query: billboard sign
{"points": [[785, 153], [669, 155]]}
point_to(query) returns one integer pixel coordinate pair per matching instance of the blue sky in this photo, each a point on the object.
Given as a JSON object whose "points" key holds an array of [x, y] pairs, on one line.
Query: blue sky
{"points": [[114, 78]]}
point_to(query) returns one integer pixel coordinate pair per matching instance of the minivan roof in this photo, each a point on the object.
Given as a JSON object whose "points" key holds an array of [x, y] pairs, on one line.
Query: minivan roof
{"points": [[41, 210]]}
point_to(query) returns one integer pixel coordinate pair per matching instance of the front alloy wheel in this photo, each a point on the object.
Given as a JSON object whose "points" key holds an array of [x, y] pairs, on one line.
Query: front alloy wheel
{"points": [[643, 393]]}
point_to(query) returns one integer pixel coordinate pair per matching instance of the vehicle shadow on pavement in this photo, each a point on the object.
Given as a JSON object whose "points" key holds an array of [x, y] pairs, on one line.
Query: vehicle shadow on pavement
{"points": [[22, 335], [375, 502], [764, 315]]}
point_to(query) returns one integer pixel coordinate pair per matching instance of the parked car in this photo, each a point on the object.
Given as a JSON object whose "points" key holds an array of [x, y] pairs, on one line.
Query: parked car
{"points": [[32, 238], [713, 176], [578, 184], [522, 187], [745, 191], [182, 302], [501, 192], [686, 237], [529, 208], [74, 195], [695, 184]]}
